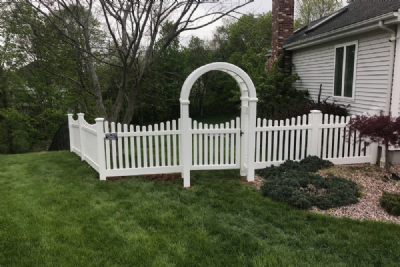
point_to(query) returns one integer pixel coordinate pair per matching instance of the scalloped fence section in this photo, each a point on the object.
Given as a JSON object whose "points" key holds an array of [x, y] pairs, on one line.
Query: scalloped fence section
{"points": [[127, 150]]}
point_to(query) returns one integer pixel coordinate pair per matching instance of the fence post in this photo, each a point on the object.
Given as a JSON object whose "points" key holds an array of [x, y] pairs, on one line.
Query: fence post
{"points": [[100, 148], [70, 131], [80, 123], [373, 147], [252, 116], [313, 138], [244, 135], [186, 142]]}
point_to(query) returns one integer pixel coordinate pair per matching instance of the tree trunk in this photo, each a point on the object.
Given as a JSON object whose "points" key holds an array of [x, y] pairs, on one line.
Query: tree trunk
{"points": [[130, 111], [387, 163]]}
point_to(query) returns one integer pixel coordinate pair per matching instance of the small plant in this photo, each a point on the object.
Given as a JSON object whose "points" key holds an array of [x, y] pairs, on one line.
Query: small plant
{"points": [[391, 203]]}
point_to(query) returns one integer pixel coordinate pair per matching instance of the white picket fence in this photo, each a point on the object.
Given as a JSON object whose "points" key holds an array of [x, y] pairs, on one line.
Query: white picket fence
{"points": [[157, 148], [325, 136]]}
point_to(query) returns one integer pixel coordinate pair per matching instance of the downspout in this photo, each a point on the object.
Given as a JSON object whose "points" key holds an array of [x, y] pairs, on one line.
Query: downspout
{"points": [[391, 67]]}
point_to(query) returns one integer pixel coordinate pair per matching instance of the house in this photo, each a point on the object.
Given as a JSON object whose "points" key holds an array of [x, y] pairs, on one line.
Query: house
{"points": [[354, 53]]}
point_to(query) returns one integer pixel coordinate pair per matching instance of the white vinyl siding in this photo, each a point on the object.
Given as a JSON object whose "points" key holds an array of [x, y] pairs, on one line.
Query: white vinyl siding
{"points": [[315, 66]]}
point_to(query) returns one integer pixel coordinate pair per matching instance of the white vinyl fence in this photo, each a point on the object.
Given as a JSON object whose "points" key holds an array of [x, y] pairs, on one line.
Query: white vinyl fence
{"points": [[156, 149], [325, 136]]}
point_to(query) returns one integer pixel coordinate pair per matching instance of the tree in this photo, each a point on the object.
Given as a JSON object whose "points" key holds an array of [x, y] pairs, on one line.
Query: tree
{"points": [[131, 31], [310, 10], [198, 54], [382, 129]]}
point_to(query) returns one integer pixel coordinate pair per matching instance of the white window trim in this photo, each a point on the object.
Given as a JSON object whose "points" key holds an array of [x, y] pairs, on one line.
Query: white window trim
{"points": [[344, 98]]}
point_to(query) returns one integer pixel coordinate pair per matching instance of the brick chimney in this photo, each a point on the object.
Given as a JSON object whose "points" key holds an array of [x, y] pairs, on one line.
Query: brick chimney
{"points": [[282, 27]]}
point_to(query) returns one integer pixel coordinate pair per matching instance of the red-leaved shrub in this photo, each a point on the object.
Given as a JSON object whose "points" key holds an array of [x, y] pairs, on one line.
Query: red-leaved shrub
{"points": [[382, 129]]}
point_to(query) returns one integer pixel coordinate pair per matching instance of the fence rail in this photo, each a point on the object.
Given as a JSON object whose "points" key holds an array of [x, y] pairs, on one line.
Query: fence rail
{"points": [[157, 148]]}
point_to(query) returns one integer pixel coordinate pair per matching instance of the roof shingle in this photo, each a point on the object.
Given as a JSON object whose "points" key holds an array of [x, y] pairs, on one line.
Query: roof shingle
{"points": [[355, 12]]}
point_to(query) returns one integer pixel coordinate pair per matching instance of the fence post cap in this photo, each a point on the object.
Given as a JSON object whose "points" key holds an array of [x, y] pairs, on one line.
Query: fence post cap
{"points": [[70, 115], [315, 111], [81, 114], [99, 119]]}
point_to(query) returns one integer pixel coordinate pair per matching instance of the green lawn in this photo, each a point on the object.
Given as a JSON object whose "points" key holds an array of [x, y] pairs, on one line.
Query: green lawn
{"points": [[55, 212]]}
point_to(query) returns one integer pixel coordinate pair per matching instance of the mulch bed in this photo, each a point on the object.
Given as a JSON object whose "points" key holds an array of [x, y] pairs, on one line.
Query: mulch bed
{"points": [[373, 181]]}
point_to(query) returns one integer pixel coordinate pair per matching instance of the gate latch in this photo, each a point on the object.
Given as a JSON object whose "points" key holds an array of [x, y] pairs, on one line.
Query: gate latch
{"points": [[241, 132]]}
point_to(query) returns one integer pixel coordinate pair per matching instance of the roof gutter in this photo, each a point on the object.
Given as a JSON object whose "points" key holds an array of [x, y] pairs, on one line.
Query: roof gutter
{"points": [[352, 29], [391, 65]]}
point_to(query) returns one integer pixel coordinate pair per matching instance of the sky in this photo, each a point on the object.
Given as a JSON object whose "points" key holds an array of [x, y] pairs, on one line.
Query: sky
{"points": [[256, 7]]}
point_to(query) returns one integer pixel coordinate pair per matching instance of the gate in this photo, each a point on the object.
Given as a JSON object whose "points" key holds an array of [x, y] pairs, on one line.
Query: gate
{"points": [[223, 147]]}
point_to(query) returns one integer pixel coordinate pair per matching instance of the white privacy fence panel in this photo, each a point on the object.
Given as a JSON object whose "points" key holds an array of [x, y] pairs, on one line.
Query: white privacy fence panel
{"points": [[325, 136], [75, 140], [89, 148], [142, 150], [83, 140], [216, 146]]}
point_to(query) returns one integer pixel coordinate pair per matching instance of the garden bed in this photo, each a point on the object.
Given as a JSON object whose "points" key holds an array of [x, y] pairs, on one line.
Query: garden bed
{"points": [[374, 181]]}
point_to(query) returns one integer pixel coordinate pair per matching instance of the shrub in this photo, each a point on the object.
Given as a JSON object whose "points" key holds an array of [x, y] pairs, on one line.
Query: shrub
{"points": [[391, 203], [309, 164], [305, 108], [382, 129], [302, 190], [292, 182]]}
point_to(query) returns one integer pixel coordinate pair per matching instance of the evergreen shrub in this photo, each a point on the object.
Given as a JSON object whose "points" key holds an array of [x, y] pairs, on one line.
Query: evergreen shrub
{"points": [[391, 203], [293, 183], [309, 164]]}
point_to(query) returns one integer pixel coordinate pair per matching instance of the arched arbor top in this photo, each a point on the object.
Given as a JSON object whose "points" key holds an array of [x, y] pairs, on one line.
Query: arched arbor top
{"points": [[246, 85]]}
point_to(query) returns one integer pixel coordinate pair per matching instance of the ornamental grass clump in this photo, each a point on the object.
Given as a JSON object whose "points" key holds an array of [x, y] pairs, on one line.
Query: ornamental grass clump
{"points": [[391, 203], [293, 183]]}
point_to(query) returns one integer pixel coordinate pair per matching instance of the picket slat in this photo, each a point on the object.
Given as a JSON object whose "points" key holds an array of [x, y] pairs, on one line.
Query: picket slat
{"points": [[138, 149], [151, 159], [162, 136], [201, 145], [263, 140], [157, 148], [126, 149], [276, 148], [169, 155], [216, 150], [292, 144], [174, 148], [114, 148], [227, 144], [238, 143], [342, 137], [206, 145], [221, 146], [211, 146], [257, 156], [298, 144], [232, 137], [194, 144], [269, 144], [132, 141], [108, 161], [120, 159], [144, 140], [335, 138]]}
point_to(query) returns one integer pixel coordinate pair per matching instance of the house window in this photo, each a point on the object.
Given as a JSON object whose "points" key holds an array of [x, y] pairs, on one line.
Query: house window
{"points": [[345, 62]]}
